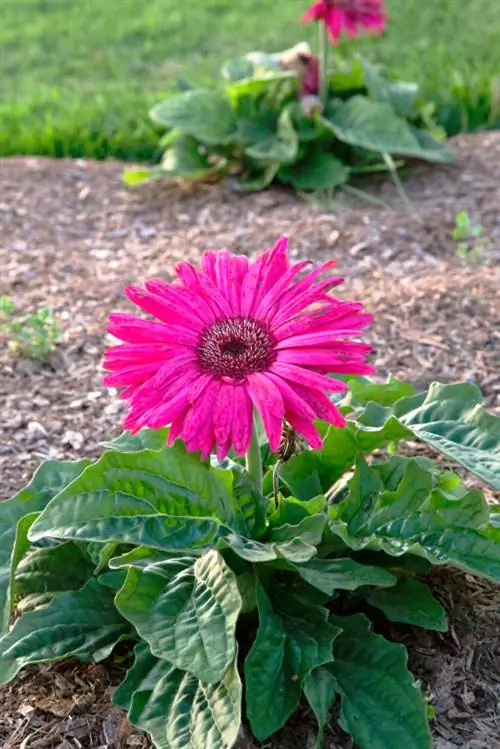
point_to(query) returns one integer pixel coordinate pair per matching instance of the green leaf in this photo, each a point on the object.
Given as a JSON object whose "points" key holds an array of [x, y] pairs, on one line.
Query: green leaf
{"points": [[53, 570], [177, 710], [257, 127], [320, 690], [410, 602], [133, 177], [49, 479], [348, 75], [318, 170], [375, 126], [362, 390], [401, 95], [291, 511], [312, 472], [452, 419], [381, 706], [282, 147], [290, 643], [437, 151], [237, 70], [257, 179], [145, 439], [207, 115], [188, 619], [372, 125], [165, 499], [376, 426], [82, 623], [416, 518], [329, 575], [144, 663], [184, 158], [295, 549]]}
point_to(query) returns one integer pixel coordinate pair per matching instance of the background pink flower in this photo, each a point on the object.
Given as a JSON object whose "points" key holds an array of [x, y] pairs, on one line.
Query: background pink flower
{"points": [[348, 16], [230, 337]]}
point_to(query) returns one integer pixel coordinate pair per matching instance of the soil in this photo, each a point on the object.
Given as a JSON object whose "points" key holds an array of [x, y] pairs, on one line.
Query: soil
{"points": [[73, 236]]}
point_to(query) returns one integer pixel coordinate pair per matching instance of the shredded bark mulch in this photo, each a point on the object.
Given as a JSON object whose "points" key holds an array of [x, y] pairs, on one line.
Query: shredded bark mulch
{"points": [[73, 236]]}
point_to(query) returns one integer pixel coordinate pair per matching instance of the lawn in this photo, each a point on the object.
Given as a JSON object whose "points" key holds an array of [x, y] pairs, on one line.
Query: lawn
{"points": [[77, 76]]}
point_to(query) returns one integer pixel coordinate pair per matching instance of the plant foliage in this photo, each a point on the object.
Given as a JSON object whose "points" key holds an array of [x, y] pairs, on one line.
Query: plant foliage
{"points": [[257, 128], [218, 586]]}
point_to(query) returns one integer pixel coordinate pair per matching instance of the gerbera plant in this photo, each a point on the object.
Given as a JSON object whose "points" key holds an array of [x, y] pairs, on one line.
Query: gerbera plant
{"points": [[237, 539], [304, 119]]}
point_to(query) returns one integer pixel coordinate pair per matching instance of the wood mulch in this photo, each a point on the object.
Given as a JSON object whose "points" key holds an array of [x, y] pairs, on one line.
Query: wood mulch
{"points": [[73, 236]]}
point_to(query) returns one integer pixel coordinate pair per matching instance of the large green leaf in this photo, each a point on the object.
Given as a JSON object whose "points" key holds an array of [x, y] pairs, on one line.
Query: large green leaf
{"points": [[312, 472], [281, 147], [205, 114], [400, 94], [362, 390], [329, 575], [52, 570], [416, 518], [145, 439], [184, 158], [165, 499], [49, 479], [295, 549], [381, 706], [452, 419], [82, 623], [320, 690], [291, 641], [188, 619], [177, 710], [375, 126], [411, 602], [257, 178], [318, 170]]}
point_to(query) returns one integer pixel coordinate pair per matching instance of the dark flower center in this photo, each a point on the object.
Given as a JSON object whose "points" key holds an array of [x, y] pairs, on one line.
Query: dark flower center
{"points": [[236, 347]]}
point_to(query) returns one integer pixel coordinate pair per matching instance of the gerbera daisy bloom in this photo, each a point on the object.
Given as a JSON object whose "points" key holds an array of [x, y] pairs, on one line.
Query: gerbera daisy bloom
{"points": [[234, 336], [348, 16]]}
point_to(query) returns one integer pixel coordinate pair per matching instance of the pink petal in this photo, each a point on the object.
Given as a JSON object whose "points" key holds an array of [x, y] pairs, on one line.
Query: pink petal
{"points": [[128, 355], [315, 13], [314, 357], [292, 400], [185, 304], [201, 411], [242, 420], [321, 405], [269, 303], [130, 375], [268, 401], [276, 267], [132, 329], [156, 306], [306, 377], [322, 338], [223, 413], [306, 428]]}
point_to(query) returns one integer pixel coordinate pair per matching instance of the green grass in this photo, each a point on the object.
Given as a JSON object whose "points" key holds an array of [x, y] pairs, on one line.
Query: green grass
{"points": [[77, 77]]}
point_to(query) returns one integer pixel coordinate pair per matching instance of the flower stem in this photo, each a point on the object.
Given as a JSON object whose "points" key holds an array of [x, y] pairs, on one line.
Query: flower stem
{"points": [[323, 62], [253, 460]]}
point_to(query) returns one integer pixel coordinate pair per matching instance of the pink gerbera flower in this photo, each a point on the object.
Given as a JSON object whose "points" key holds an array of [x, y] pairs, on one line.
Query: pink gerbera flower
{"points": [[231, 337], [348, 16]]}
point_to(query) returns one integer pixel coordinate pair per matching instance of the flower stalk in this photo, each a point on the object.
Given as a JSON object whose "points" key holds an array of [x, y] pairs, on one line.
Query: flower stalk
{"points": [[323, 63], [253, 460]]}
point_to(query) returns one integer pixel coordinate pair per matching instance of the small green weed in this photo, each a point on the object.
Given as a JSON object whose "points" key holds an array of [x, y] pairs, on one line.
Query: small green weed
{"points": [[472, 240], [33, 335]]}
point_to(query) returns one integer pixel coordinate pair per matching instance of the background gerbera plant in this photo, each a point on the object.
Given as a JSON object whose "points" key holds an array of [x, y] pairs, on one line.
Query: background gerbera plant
{"points": [[299, 118], [254, 517]]}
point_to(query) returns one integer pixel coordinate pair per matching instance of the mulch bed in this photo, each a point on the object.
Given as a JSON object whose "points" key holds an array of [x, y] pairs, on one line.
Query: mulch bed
{"points": [[73, 236]]}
